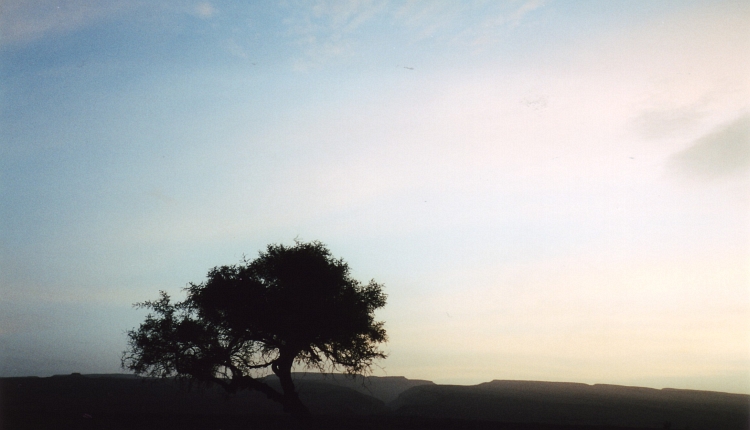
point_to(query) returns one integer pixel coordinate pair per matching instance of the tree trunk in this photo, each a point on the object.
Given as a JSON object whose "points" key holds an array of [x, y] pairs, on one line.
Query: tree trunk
{"points": [[291, 403]]}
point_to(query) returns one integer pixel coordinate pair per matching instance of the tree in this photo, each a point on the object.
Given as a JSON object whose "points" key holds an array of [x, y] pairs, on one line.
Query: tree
{"points": [[291, 305]]}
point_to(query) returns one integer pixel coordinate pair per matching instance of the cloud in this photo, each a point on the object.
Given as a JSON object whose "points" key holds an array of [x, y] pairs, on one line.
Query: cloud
{"points": [[515, 18], [324, 30], [346, 15], [235, 49], [724, 151], [658, 123], [428, 18], [496, 19], [24, 21], [205, 10], [328, 29]]}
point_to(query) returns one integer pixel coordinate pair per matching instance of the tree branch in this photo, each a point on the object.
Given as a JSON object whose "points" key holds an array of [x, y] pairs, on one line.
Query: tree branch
{"points": [[241, 381]]}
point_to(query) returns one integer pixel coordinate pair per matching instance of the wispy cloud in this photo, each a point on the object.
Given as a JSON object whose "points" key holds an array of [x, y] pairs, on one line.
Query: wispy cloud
{"points": [[346, 16], [492, 20], [328, 29], [724, 151], [529, 6], [659, 123], [464, 23], [205, 10], [323, 30], [428, 18], [27, 20]]}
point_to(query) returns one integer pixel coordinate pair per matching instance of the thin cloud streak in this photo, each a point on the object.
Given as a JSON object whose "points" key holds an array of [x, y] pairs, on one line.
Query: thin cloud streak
{"points": [[24, 21], [328, 30], [724, 151]]}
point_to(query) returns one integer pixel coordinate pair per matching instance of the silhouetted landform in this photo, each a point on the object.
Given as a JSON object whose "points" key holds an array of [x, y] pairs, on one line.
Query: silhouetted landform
{"points": [[577, 404], [129, 402], [121, 395], [384, 388]]}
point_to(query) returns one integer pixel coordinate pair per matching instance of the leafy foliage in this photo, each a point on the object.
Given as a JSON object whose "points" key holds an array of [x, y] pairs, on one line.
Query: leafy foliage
{"points": [[291, 305]]}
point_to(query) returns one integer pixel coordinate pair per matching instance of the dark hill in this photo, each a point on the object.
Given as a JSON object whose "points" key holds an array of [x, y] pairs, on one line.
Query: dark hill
{"points": [[128, 402], [79, 394], [577, 404], [384, 388]]}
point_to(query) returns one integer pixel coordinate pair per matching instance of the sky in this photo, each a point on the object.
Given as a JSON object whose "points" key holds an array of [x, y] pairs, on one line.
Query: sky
{"points": [[548, 190]]}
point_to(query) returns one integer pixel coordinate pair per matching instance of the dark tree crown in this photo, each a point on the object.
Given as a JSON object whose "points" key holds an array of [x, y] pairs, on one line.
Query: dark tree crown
{"points": [[290, 305]]}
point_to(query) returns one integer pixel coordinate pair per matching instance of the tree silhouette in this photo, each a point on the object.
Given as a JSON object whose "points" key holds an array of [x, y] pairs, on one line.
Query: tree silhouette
{"points": [[291, 305]]}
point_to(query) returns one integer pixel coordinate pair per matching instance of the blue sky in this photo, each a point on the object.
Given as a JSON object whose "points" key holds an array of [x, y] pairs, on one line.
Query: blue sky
{"points": [[548, 190]]}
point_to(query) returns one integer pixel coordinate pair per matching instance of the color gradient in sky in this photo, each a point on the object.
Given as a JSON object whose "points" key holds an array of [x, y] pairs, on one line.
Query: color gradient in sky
{"points": [[551, 190]]}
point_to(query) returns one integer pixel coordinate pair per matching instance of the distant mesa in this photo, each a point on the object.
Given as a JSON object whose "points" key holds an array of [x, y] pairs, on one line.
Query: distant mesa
{"points": [[560, 403]]}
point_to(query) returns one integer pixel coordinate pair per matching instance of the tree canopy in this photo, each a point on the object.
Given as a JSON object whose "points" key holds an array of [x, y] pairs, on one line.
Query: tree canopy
{"points": [[291, 305]]}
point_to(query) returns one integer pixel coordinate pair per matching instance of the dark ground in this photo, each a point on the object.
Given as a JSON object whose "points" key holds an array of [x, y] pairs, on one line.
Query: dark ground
{"points": [[265, 422], [122, 402]]}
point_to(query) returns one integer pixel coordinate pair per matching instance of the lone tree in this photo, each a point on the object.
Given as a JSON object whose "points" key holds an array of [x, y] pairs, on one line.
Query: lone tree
{"points": [[291, 305]]}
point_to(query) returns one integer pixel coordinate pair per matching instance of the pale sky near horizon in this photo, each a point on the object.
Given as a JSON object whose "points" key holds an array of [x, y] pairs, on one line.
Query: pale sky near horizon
{"points": [[548, 190]]}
